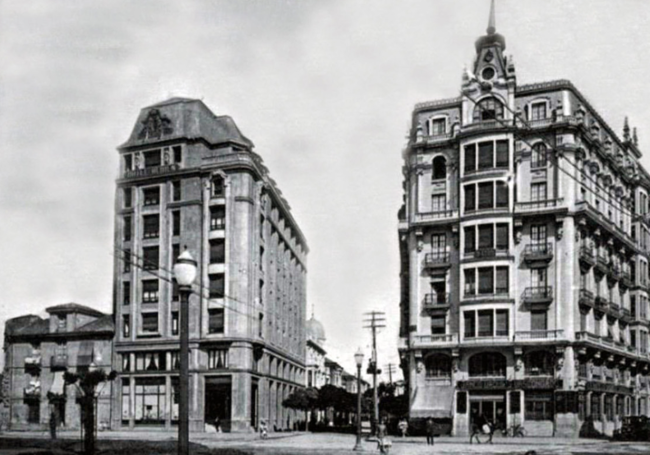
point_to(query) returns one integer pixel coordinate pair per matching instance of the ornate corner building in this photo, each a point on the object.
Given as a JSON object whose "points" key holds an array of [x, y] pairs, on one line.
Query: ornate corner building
{"points": [[524, 245], [190, 179]]}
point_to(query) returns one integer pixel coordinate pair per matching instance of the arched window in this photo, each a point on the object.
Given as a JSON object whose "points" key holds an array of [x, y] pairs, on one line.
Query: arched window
{"points": [[438, 366], [439, 168], [488, 109], [539, 155], [487, 364], [218, 189], [539, 363]]}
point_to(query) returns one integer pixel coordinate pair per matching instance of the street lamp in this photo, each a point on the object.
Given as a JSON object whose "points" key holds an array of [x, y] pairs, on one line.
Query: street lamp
{"points": [[184, 273], [358, 358]]}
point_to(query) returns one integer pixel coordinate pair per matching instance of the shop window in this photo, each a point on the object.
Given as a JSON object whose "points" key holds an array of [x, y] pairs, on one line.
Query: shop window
{"points": [[539, 405], [595, 406], [149, 401]]}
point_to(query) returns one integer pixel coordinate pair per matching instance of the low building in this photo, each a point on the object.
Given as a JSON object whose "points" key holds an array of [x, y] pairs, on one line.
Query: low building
{"points": [[38, 351]]}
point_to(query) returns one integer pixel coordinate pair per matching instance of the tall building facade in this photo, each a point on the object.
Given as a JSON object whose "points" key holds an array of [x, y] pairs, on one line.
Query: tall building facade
{"points": [[190, 179], [38, 351], [524, 257]]}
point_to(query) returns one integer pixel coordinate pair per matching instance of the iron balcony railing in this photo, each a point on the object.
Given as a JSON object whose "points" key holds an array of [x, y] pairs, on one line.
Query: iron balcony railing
{"points": [[538, 251], [435, 216], [539, 334], [531, 206], [538, 293], [586, 297], [436, 300], [601, 302], [436, 259], [424, 340], [587, 254]]}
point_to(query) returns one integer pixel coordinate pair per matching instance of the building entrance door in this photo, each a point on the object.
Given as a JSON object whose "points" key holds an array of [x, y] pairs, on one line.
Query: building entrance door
{"points": [[218, 393], [492, 407]]}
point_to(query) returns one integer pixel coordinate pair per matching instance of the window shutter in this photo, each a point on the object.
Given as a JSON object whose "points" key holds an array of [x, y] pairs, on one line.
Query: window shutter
{"points": [[470, 319], [502, 194], [485, 323], [485, 195], [486, 155], [470, 197], [470, 158], [502, 280], [470, 241], [486, 236], [470, 281], [486, 280], [503, 154], [502, 322], [502, 236], [438, 325]]}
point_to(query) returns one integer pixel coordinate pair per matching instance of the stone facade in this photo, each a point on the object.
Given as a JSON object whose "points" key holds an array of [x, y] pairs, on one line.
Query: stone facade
{"points": [[38, 351], [190, 179], [524, 251]]}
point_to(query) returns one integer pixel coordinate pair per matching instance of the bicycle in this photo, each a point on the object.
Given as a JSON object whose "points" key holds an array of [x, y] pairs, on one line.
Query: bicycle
{"points": [[515, 431]]}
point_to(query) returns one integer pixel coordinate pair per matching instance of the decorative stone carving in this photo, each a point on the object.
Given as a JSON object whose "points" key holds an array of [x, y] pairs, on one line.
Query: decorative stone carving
{"points": [[167, 159], [419, 134], [155, 126], [559, 362], [559, 230], [420, 366], [519, 363], [518, 235]]}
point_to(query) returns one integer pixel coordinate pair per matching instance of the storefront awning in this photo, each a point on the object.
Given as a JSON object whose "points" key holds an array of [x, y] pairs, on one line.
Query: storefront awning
{"points": [[433, 401]]}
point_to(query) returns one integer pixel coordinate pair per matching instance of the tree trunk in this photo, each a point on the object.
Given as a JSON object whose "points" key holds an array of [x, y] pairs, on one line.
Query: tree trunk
{"points": [[306, 420], [89, 425]]}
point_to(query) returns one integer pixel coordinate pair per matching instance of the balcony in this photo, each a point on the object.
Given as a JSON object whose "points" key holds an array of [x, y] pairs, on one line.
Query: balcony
{"points": [[538, 294], [626, 316], [541, 253], [59, 362], [532, 208], [587, 256], [614, 272], [602, 263], [606, 342], [626, 279], [586, 298], [487, 125], [438, 217], [438, 259], [437, 301], [601, 302], [614, 310], [151, 171], [539, 335], [485, 253], [487, 340], [435, 340], [498, 294]]}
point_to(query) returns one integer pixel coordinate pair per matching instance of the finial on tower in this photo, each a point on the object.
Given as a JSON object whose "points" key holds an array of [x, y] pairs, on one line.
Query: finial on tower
{"points": [[492, 28], [626, 129], [635, 138]]}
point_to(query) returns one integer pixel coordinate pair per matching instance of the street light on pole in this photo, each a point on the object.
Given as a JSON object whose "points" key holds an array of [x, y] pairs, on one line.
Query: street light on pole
{"points": [[358, 358], [184, 273]]}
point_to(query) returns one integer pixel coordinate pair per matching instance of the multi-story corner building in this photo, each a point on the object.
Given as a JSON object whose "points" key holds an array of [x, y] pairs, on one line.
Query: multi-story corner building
{"points": [[524, 242], [39, 351], [190, 179]]}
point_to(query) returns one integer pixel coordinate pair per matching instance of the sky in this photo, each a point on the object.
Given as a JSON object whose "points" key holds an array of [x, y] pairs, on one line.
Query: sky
{"points": [[324, 89]]}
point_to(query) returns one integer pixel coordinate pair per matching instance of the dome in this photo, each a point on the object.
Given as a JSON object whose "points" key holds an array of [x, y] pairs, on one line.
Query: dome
{"points": [[315, 331]]}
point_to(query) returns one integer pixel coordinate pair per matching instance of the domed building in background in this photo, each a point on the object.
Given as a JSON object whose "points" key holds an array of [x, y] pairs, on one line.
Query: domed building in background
{"points": [[317, 375]]}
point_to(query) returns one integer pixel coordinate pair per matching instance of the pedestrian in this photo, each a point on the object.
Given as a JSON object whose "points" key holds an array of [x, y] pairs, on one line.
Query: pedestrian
{"points": [[263, 429], [53, 423], [403, 427], [478, 424], [431, 430]]}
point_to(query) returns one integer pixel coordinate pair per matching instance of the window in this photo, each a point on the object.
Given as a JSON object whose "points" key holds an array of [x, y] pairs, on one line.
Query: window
{"points": [[176, 251], [260, 325], [128, 162], [486, 236], [439, 243], [470, 197], [470, 158], [502, 286], [469, 318], [538, 233], [487, 364], [176, 190], [128, 197], [539, 363], [503, 154], [488, 109], [438, 366], [438, 203], [217, 251], [178, 153], [595, 406], [217, 286], [127, 224], [538, 111], [126, 326], [470, 240], [176, 222], [150, 257], [502, 236], [151, 226], [438, 325], [127, 261], [486, 195], [149, 291], [217, 358], [539, 155], [539, 405], [609, 407], [151, 196], [538, 191], [486, 155], [437, 126], [538, 320], [470, 282], [152, 158], [217, 217], [149, 400], [439, 168], [218, 189], [216, 320], [538, 279], [485, 323], [502, 194], [486, 280], [126, 293], [502, 323], [150, 322], [175, 321]]}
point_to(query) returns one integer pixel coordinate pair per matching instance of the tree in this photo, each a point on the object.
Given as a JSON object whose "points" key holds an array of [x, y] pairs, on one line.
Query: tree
{"points": [[302, 400], [87, 382]]}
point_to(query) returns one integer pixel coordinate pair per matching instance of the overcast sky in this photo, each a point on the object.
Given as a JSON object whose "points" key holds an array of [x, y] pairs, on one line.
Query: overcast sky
{"points": [[323, 88]]}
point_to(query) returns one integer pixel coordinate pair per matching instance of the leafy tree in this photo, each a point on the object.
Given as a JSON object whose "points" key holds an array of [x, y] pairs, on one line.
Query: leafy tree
{"points": [[302, 400]]}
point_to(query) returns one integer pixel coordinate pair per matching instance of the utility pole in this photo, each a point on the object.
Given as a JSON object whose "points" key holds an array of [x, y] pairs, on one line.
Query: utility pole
{"points": [[391, 369], [374, 320]]}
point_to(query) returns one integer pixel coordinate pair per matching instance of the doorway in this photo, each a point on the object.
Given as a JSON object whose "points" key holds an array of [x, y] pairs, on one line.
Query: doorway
{"points": [[492, 407], [218, 399]]}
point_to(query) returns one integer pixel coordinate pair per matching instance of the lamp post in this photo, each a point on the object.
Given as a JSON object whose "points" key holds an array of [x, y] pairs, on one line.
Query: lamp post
{"points": [[358, 358], [184, 273]]}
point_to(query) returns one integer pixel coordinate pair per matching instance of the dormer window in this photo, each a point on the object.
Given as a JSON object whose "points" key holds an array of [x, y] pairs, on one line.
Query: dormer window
{"points": [[437, 126], [488, 109], [538, 110]]}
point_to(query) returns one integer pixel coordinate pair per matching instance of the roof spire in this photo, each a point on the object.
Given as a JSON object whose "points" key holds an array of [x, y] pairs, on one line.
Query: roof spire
{"points": [[626, 130], [492, 28]]}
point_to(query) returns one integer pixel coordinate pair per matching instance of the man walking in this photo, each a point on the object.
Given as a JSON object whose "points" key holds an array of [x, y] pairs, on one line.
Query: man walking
{"points": [[431, 430]]}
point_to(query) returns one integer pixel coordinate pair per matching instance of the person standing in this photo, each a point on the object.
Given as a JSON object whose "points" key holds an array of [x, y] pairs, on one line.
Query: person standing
{"points": [[478, 422], [430, 430], [53, 423]]}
